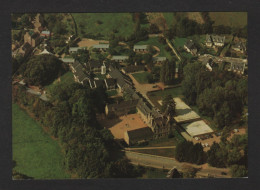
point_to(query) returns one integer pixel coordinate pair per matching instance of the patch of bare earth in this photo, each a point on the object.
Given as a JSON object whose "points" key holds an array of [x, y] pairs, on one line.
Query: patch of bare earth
{"points": [[85, 42], [118, 126], [158, 19], [196, 16]]}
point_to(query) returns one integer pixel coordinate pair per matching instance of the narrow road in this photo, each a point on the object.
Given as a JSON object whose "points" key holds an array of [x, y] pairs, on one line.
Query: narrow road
{"points": [[173, 49], [146, 148], [169, 163]]}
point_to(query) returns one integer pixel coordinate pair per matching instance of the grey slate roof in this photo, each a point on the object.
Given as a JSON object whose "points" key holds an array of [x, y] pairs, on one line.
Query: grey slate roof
{"points": [[140, 46], [120, 78], [110, 81], [94, 63], [99, 83], [155, 59], [119, 57]]}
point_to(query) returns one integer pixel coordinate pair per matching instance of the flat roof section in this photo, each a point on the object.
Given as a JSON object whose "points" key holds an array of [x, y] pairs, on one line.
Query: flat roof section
{"points": [[184, 112], [197, 128]]}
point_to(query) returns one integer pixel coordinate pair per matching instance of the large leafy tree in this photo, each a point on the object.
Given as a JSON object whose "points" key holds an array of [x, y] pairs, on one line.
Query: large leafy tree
{"points": [[43, 69]]}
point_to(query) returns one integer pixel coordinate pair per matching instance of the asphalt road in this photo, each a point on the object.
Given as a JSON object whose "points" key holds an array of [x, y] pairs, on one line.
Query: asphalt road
{"points": [[169, 163]]}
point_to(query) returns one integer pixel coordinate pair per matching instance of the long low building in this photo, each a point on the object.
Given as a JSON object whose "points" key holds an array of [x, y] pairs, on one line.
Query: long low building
{"points": [[184, 113], [197, 128]]}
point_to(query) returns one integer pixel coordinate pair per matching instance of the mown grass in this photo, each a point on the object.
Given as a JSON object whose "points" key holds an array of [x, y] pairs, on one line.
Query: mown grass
{"points": [[112, 93], [153, 173], [36, 154], [158, 95], [141, 77], [232, 19], [65, 78], [159, 142], [154, 41], [170, 19], [104, 24], [166, 152]]}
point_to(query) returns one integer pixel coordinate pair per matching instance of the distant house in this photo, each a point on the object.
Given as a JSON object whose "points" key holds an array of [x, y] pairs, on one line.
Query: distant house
{"points": [[240, 47], [79, 75], [67, 60], [159, 60], [215, 40], [120, 108], [94, 66], [75, 49], [32, 38], [122, 80], [133, 68], [110, 83], [137, 135], [119, 58], [101, 47], [140, 48], [45, 34], [190, 47], [238, 67]]}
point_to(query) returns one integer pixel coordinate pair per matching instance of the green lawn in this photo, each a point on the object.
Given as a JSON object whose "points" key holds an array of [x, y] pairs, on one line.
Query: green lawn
{"points": [[154, 173], [36, 154], [170, 19], [155, 42], [112, 93], [159, 142], [232, 19], [104, 24], [100, 76], [141, 77], [167, 152], [158, 95], [65, 78]]}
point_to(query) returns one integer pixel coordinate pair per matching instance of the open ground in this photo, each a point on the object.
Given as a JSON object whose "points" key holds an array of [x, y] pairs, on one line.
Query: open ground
{"points": [[119, 126], [36, 154]]}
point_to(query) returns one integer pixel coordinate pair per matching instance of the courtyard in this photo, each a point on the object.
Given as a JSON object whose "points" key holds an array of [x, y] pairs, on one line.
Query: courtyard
{"points": [[118, 126]]}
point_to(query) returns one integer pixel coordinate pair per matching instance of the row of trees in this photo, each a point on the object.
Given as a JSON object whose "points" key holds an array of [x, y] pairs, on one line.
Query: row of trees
{"points": [[233, 154], [71, 117], [186, 151], [218, 94]]}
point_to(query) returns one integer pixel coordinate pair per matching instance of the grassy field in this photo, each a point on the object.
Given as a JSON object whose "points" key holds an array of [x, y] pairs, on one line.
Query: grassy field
{"points": [[158, 95], [233, 19], [141, 77], [104, 24], [155, 42], [154, 173], [159, 142], [65, 78], [170, 19], [112, 93], [167, 152], [35, 153]]}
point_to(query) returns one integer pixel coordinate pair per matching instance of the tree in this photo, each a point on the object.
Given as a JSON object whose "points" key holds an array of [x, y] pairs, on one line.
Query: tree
{"points": [[42, 69], [239, 171], [82, 55], [190, 72], [167, 72], [154, 29]]}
